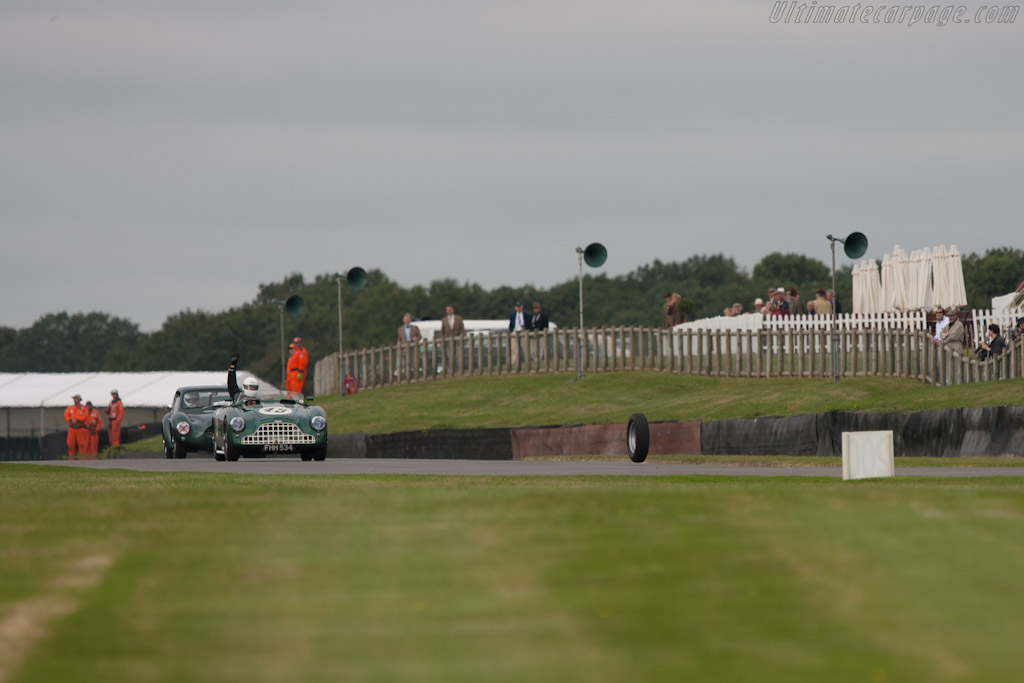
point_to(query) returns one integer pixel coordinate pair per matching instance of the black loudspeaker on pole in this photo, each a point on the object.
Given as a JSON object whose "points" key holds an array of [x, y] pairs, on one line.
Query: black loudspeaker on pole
{"points": [[356, 278], [595, 255], [294, 305], [854, 246]]}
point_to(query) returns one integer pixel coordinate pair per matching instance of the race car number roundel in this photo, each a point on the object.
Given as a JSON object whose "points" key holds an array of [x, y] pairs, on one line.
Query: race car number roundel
{"points": [[276, 410]]}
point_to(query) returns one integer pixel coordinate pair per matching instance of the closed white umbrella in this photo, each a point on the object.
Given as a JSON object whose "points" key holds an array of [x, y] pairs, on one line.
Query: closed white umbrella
{"points": [[927, 301], [914, 288], [940, 274], [901, 273], [958, 291], [888, 285], [872, 289], [858, 287]]}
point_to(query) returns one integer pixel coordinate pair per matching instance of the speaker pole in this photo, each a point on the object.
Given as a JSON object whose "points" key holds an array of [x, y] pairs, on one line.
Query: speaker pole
{"points": [[341, 356], [356, 278], [835, 333], [854, 246], [280, 306], [579, 337]]}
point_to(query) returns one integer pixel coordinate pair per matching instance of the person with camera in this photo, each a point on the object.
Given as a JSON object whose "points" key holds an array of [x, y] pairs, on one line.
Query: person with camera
{"points": [[994, 346]]}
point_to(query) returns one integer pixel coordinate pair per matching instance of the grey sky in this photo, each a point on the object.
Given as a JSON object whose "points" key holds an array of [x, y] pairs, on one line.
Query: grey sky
{"points": [[157, 157]]}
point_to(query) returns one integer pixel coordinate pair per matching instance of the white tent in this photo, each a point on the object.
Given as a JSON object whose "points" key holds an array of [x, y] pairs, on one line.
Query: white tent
{"points": [[32, 403], [136, 389]]}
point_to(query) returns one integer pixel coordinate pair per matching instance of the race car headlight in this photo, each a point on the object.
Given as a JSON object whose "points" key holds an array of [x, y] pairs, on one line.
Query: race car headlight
{"points": [[237, 423], [183, 427], [318, 422]]}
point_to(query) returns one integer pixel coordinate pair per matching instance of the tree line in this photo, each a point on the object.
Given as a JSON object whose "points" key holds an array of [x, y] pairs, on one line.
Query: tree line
{"points": [[200, 340]]}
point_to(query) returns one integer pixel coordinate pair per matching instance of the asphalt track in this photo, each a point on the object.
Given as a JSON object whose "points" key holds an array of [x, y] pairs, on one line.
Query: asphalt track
{"points": [[495, 468]]}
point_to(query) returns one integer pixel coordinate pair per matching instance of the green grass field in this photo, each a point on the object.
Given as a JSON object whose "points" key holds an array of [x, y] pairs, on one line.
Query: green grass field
{"points": [[121, 576]]}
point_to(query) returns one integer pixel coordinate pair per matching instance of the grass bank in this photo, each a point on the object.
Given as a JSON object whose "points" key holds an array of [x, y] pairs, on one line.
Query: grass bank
{"points": [[612, 397], [531, 400], [191, 577]]}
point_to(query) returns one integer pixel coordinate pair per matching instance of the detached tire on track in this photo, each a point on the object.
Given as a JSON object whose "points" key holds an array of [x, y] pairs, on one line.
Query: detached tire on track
{"points": [[638, 437]]}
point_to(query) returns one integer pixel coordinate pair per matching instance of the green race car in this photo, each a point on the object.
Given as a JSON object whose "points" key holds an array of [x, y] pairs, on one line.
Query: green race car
{"points": [[261, 425], [188, 427]]}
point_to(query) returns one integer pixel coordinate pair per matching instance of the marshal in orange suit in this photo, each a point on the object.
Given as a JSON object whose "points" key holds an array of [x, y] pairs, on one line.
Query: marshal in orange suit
{"points": [[295, 378]]}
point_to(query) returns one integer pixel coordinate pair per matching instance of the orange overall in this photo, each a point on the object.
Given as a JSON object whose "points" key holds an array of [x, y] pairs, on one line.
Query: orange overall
{"points": [[115, 413], [295, 380], [76, 415], [94, 424]]}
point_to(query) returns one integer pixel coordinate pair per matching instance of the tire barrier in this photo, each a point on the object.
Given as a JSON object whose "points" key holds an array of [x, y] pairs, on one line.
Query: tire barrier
{"points": [[992, 431], [454, 444], [18, 448], [797, 435], [666, 438]]}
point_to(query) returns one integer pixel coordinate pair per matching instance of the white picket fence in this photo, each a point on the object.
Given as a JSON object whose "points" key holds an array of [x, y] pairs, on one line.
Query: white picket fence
{"points": [[884, 344]]}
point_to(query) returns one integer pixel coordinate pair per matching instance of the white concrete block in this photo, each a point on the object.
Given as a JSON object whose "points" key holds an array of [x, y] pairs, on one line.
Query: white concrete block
{"points": [[868, 455]]}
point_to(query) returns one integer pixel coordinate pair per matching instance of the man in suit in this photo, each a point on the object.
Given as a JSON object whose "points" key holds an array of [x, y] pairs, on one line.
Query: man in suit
{"points": [[451, 323], [407, 334], [518, 326], [538, 323], [451, 326]]}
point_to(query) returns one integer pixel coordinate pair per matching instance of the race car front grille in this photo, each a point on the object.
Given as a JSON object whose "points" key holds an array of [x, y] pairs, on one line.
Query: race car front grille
{"points": [[277, 432]]}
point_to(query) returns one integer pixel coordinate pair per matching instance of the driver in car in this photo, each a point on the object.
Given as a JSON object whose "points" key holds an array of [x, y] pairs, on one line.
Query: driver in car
{"points": [[250, 387]]}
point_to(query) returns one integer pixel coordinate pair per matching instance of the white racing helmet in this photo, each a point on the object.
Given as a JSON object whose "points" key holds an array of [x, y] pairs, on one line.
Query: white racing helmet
{"points": [[250, 386]]}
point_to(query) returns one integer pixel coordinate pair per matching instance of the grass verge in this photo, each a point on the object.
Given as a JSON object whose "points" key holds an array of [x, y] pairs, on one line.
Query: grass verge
{"points": [[322, 578]]}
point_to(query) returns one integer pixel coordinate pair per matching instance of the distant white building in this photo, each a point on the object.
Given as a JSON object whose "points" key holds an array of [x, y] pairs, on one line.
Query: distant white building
{"points": [[32, 404]]}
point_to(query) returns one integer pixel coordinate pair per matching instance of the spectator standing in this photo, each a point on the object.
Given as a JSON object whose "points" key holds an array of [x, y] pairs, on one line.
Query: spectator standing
{"points": [[115, 413], [538, 323], [779, 305], [793, 297], [667, 311], [1017, 332], [451, 327], [518, 324], [833, 300], [407, 334], [93, 424], [994, 346], [76, 415], [820, 303], [954, 333], [451, 323], [677, 315], [737, 309], [298, 361], [940, 324]]}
